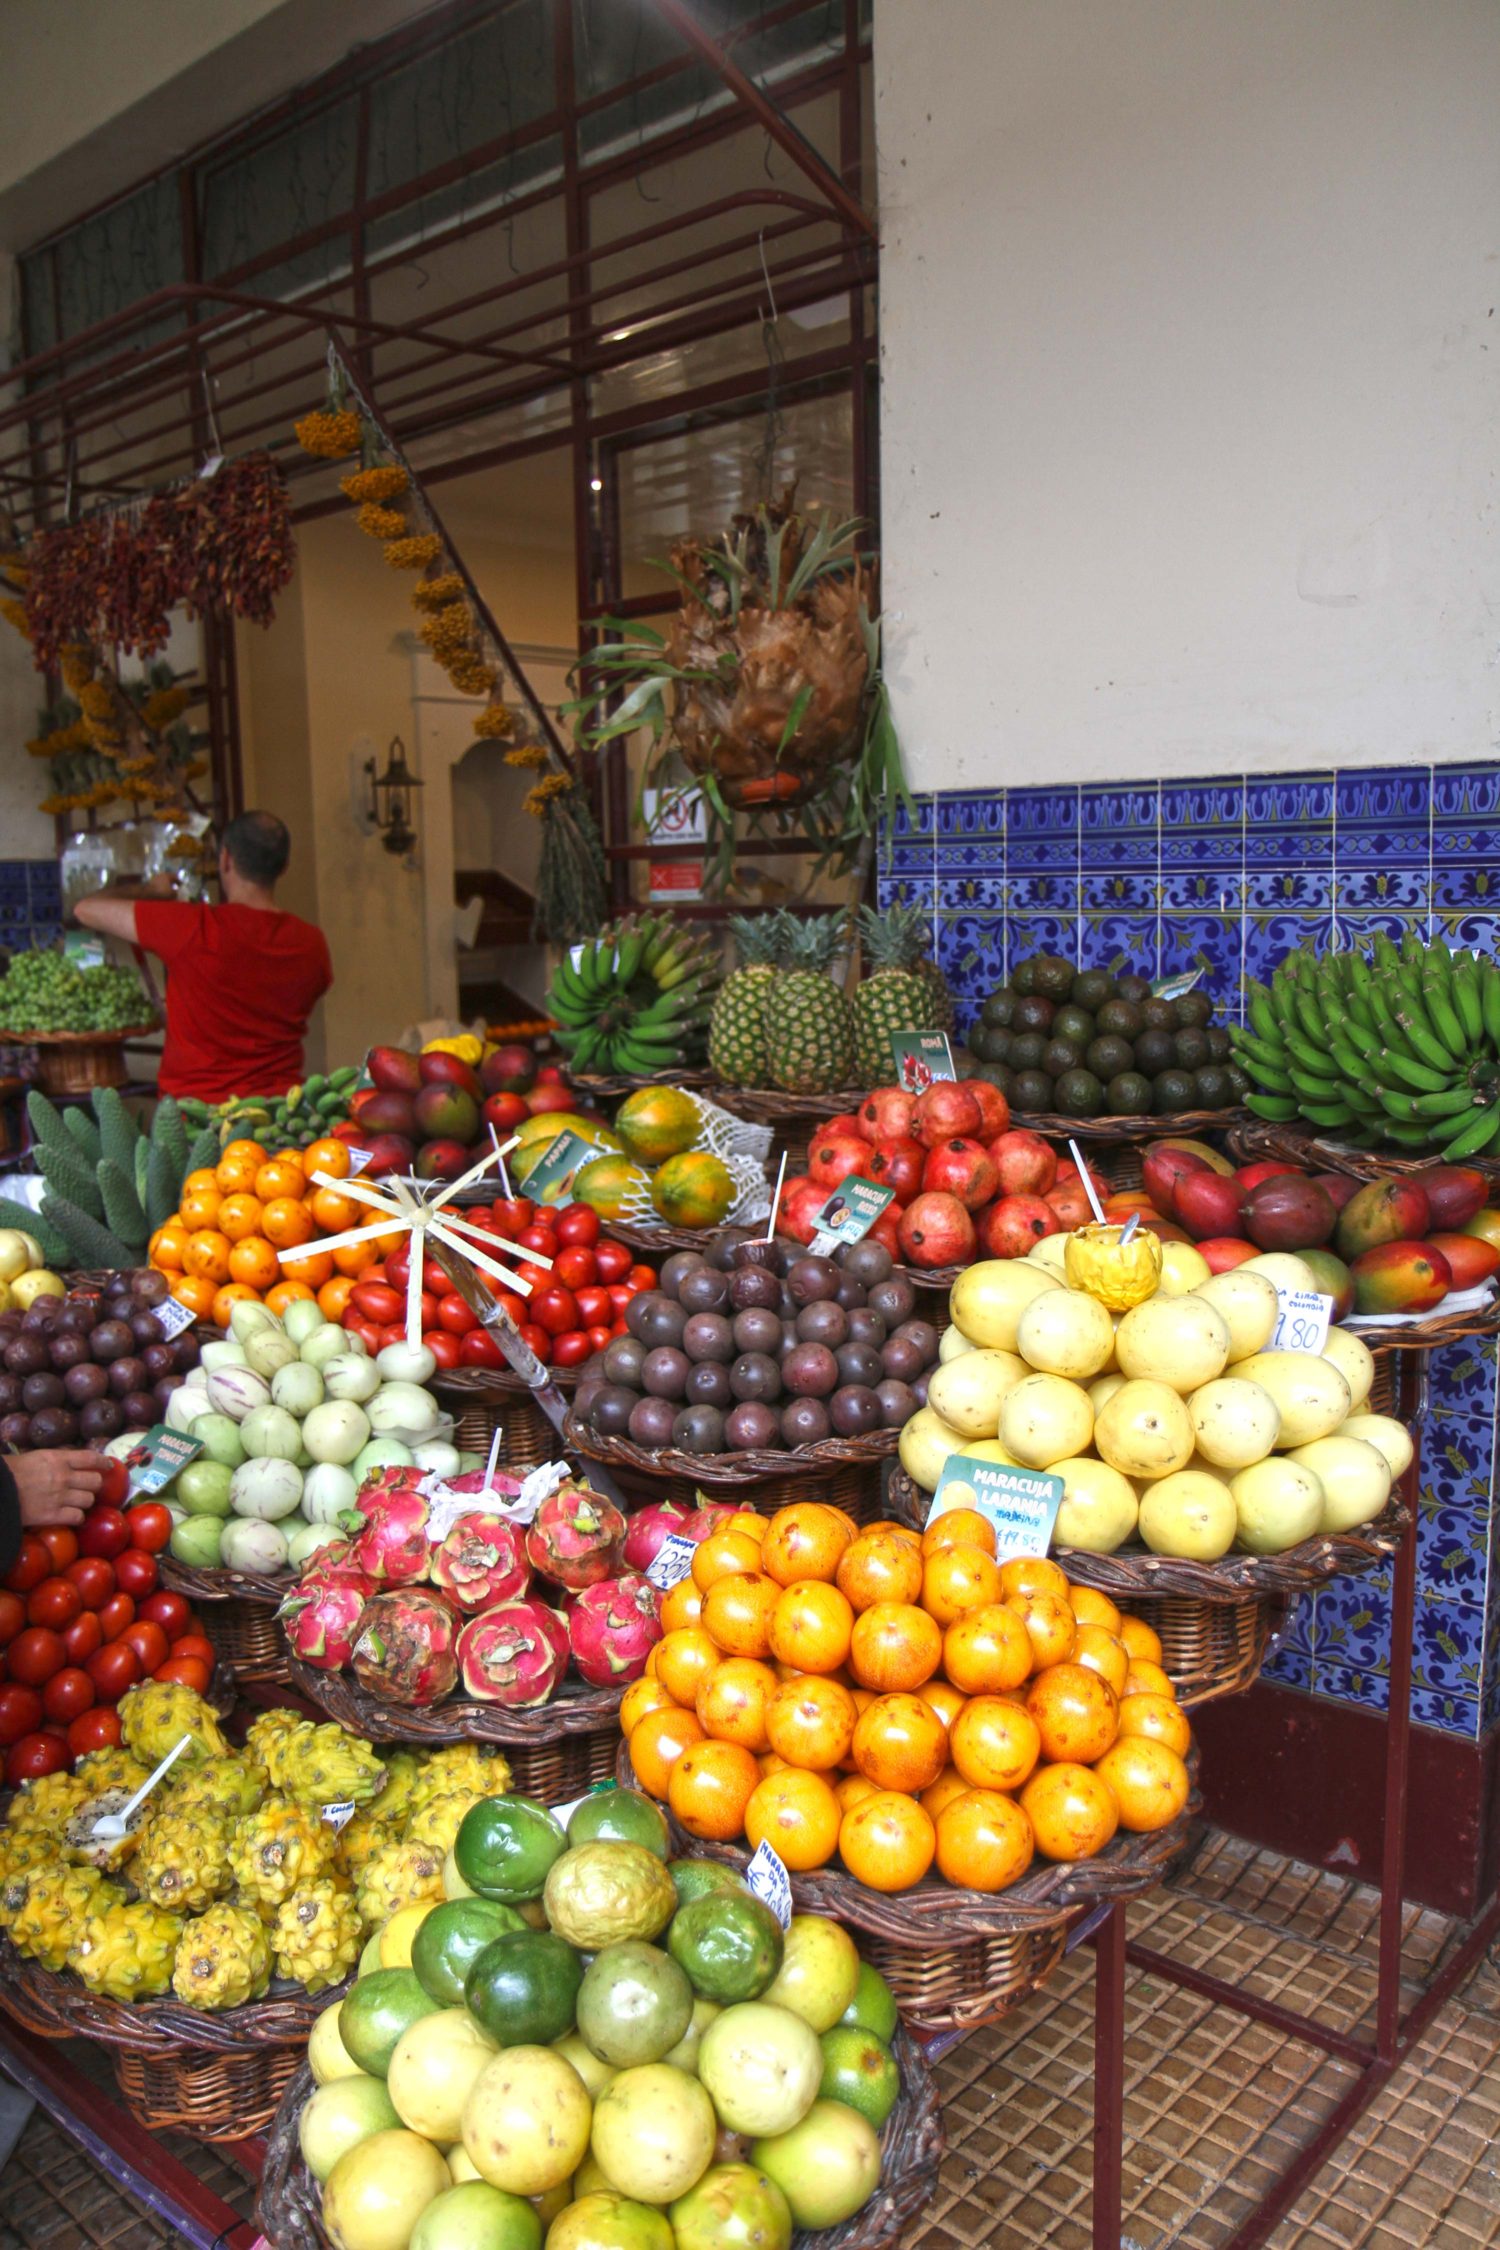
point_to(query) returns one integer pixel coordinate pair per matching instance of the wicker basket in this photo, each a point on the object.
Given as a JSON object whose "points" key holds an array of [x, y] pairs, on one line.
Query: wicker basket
{"points": [[239, 1616], [288, 2209], [527, 1438], [1251, 1139], [74, 1062], [218, 2077], [843, 1471]]}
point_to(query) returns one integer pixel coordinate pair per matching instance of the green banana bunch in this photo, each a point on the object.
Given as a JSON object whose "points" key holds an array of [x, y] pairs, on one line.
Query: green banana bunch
{"points": [[637, 998], [1400, 1046]]}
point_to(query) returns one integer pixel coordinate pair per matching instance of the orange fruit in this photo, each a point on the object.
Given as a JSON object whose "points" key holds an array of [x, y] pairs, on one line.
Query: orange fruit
{"points": [[945, 1700], [888, 1528], [197, 1293], [640, 1697], [1049, 1624], [1096, 1647], [314, 1270], [900, 1743], [328, 1156], [877, 1567], [233, 1292], [657, 1741], [737, 1612], [1033, 1574], [895, 1645], [1148, 1781], [169, 1247], [958, 1578], [724, 1554], [239, 1152], [810, 1722], [286, 1221], [1145, 1678], [201, 1180], [1141, 1640], [754, 1527], [334, 1295], [200, 1209], [1076, 1711], [887, 1841], [681, 1605], [994, 1743], [353, 1258], [288, 1293], [709, 1787], [769, 1763], [987, 1650], [851, 1789], [798, 1815], [950, 1783], [984, 1841], [276, 1180], [1071, 1811], [805, 1541], [332, 1211], [207, 1256], [733, 1700], [959, 1527], [239, 1216], [684, 1659], [235, 1175], [254, 1261], [1090, 1607], [1155, 1718], [811, 1626]]}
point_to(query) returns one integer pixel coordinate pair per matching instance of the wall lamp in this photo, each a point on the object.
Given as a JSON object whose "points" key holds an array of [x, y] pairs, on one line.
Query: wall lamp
{"points": [[391, 799]]}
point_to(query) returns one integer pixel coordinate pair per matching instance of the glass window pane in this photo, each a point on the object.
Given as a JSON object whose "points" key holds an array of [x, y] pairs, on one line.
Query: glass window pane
{"points": [[473, 90], [119, 256], [279, 191]]}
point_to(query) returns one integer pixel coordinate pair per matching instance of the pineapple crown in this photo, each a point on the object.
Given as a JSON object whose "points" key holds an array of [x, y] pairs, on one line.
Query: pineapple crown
{"points": [[812, 944], [894, 939], [757, 939]]}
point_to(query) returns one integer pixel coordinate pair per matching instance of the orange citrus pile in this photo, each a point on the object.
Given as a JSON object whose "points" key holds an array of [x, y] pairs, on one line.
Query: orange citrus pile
{"points": [[234, 1221], [903, 1700]]}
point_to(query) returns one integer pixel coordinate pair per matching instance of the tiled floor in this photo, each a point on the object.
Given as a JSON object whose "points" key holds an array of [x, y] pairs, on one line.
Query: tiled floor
{"points": [[1215, 2107]]}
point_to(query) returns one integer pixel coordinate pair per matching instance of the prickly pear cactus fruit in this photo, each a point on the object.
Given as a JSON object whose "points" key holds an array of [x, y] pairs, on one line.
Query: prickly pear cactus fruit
{"points": [[223, 1959], [276, 1849], [395, 1876], [182, 1860], [317, 1935], [126, 1952]]}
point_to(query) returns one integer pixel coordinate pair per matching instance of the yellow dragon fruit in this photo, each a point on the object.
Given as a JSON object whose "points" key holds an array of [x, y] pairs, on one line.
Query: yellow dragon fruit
{"points": [[225, 1788], [109, 1854], [270, 1728], [28, 1854], [317, 1935], [57, 1899], [126, 1952], [48, 1804], [361, 1836], [156, 1715], [402, 1771], [182, 1860], [277, 1849], [395, 1876], [110, 1769], [223, 1959], [470, 1766], [321, 1765], [438, 1821]]}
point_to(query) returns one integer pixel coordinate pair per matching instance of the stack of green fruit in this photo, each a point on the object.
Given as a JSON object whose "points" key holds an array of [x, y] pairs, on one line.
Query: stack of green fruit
{"points": [[1395, 1045], [109, 1186], [635, 999], [1086, 1043], [569, 2040], [46, 992], [295, 1119]]}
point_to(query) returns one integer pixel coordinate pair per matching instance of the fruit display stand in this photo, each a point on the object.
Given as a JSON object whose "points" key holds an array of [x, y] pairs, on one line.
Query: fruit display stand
{"points": [[75, 1062], [842, 1471], [484, 1399], [1252, 1139]]}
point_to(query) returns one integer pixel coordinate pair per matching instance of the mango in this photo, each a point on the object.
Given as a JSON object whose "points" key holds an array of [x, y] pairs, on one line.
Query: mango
{"points": [[1380, 1212], [1407, 1277]]}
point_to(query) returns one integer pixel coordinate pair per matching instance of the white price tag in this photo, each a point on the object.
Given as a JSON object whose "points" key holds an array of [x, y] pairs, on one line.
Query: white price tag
{"points": [[671, 1562], [174, 1318], [358, 1159], [1022, 1504], [767, 1877], [1302, 1318], [338, 1816]]}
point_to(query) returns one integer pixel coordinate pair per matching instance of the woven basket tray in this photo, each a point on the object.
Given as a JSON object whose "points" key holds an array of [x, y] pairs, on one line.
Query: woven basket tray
{"points": [[606, 1086], [1252, 1139], [73, 1062], [715, 1469], [461, 1387], [288, 2208], [527, 1438], [239, 1616], [1057, 1128], [850, 1481]]}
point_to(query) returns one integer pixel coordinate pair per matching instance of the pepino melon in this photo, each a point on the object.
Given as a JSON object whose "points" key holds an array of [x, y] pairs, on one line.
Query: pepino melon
{"points": [[657, 1122]]}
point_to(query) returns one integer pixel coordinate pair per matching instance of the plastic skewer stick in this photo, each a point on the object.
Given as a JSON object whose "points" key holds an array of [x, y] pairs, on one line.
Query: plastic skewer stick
{"points": [[1088, 1185], [1130, 1226], [500, 1160], [489, 1466], [111, 1826], [776, 1198]]}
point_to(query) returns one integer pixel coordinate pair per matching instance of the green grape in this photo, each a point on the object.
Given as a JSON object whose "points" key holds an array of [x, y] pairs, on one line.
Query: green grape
{"points": [[44, 991]]}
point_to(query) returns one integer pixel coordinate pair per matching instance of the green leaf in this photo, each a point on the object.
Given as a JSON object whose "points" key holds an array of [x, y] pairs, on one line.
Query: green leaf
{"points": [[794, 717]]}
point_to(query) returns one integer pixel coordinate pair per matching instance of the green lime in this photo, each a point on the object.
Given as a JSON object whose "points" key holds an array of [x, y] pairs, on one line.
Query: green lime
{"points": [[523, 1988], [873, 2007], [375, 2011], [700, 1878], [505, 1846], [476, 2216], [369, 1956], [731, 1947], [450, 1938], [621, 1816], [859, 2071], [634, 2005]]}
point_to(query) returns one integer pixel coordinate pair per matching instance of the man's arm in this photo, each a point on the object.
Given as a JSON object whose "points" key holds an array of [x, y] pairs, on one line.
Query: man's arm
{"points": [[107, 911]]}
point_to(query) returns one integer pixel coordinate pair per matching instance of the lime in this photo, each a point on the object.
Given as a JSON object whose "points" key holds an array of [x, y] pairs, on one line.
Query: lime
{"points": [[873, 2007], [696, 1878], [620, 1816], [450, 1939], [476, 2216], [375, 2011], [634, 2005], [523, 1988], [505, 1846], [859, 2071], [730, 1945]]}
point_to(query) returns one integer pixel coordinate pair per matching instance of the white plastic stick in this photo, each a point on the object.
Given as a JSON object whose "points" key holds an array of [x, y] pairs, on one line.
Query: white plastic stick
{"points": [[776, 1198], [1130, 1226], [500, 1160], [1088, 1186], [489, 1466], [111, 1826]]}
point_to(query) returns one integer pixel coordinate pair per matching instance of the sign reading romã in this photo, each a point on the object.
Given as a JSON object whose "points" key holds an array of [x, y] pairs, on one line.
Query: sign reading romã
{"points": [[1022, 1504], [551, 1178], [848, 1214], [921, 1059]]}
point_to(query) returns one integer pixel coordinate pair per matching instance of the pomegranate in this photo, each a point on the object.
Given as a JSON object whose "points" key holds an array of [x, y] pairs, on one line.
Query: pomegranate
{"points": [[936, 1230], [613, 1628], [1070, 1205], [649, 1529], [1010, 1227], [322, 1622], [389, 1528], [1027, 1165], [513, 1654], [576, 1537], [994, 1109], [800, 1200], [962, 1168], [898, 1166], [946, 1112], [888, 1114], [833, 1156], [482, 1561], [404, 1649]]}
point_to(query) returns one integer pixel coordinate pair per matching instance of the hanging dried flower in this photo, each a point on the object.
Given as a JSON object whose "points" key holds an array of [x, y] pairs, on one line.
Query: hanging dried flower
{"points": [[329, 435], [432, 593], [380, 523], [496, 724], [14, 613], [136, 765], [537, 800], [470, 674], [164, 708], [414, 554], [96, 700], [527, 754], [77, 666], [387, 481], [447, 630]]}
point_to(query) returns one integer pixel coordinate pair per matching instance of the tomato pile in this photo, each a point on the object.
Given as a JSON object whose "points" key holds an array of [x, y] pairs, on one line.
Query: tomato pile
{"points": [[82, 1619], [575, 1308]]}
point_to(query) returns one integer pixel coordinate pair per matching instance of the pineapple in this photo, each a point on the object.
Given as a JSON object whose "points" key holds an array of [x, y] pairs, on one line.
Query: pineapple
{"points": [[126, 1952], [810, 1025], [894, 996], [276, 1849], [320, 1765], [317, 1935], [182, 1860], [155, 1716], [57, 1899], [398, 1875], [222, 1960], [737, 1028]]}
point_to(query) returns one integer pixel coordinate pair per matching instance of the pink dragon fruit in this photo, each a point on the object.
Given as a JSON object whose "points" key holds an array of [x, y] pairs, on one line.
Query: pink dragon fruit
{"points": [[575, 1538], [404, 1650], [321, 1622], [474, 1482], [388, 1528], [649, 1529], [333, 1565], [613, 1628], [482, 1561], [513, 1654]]}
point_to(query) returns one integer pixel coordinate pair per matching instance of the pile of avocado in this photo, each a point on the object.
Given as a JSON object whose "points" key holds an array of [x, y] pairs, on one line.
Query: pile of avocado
{"points": [[1086, 1043]]}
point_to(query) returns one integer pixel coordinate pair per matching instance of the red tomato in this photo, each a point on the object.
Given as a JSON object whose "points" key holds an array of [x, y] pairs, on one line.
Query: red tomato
{"points": [[31, 1566], [148, 1641], [172, 1612], [150, 1527], [114, 1485], [68, 1694], [572, 1349], [113, 1669], [442, 1345], [117, 1613], [510, 1304], [613, 1260], [55, 1602], [82, 1637], [398, 1266], [367, 1332], [618, 1328], [537, 1277], [193, 1644], [593, 1306], [512, 1212], [94, 1578], [539, 1340], [376, 1300], [620, 1294], [380, 1271], [599, 1336], [105, 1532], [12, 1617], [427, 1309], [135, 1573], [349, 1318], [575, 1268], [20, 1712], [187, 1671], [35, 1755], [33, 1656], [578, 1224], [641, 1277], [98, 1729], [479, 1349], [61, 1544], [538, 1237], [393, 1333], [455, 1316], [556, 1310], [483, 1219]]}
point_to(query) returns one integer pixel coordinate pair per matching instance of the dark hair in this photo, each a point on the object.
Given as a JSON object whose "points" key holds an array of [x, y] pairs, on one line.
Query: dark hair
{"points": [[259, 845]]}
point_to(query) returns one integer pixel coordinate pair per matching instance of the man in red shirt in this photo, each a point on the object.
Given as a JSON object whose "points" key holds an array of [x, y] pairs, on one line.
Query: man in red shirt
{"points": [[242, 978]]}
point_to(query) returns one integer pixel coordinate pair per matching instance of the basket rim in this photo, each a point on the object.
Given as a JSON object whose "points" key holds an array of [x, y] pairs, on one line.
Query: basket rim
{"points": [[227, 1585], [282, 2018], [729, 1468], [82, 1038], [576, 1709], [1295, 1142], [476, 1384]]}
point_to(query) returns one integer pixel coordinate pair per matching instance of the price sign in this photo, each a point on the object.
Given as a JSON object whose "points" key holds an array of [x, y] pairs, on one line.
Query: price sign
{"points": [[174, 1318], [551, 1180], [848, 1214], [1302, 1318], [158, 1457], [358, 1159], [338, 1816], [767, 1877], [83, 949], [921, 1059], [671, 1562], [1022, 1504]]}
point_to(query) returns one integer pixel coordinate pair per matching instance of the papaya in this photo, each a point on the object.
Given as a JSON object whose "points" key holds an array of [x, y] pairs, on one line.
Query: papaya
{"points": [[692, 1190], [657, 1122], [609, 1185]]}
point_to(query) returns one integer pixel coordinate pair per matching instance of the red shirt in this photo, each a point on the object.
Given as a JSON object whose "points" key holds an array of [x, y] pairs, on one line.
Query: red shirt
{"points": [[241, 984]]}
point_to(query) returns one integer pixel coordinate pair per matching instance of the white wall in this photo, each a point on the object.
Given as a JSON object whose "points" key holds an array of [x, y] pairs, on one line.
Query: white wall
{"points": [[1191, 383]]}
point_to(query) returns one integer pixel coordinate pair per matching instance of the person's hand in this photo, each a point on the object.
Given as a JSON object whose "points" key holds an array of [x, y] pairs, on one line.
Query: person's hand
{"points": [[56, 1487]]}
